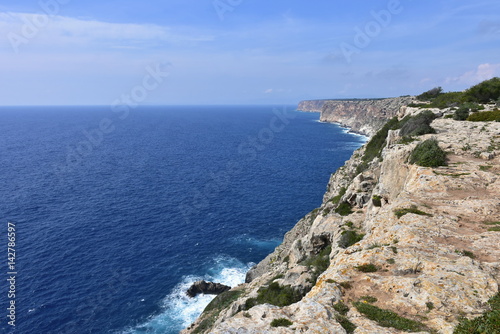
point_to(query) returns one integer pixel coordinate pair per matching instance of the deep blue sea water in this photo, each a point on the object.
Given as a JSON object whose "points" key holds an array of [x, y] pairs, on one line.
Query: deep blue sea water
{"points": [[117, 213]]}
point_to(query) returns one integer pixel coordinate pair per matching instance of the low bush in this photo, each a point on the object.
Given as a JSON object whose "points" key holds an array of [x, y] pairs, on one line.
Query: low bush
{"points": [[489, 322], [213, 309], [281, 322], [349, 238], [413, 209], [461, 114], [377, 200], [345, 323], [341, 308], [318, 263], [337, 198], [417, 125], [428, 154], [344, 209], [275, 294], [369, 299], [367, 268], [386, 318], [485, 116]]}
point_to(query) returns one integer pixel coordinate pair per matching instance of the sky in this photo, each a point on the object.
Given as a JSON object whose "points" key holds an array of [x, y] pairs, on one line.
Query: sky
{"points": [[172, 52]]}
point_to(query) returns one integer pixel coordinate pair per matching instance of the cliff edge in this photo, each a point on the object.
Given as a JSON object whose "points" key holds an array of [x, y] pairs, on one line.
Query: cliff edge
{"points": [[395, 247], [365, 116]]}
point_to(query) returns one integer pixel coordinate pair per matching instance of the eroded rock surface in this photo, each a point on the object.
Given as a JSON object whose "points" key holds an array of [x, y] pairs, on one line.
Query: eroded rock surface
{"points": [[434, 264]]}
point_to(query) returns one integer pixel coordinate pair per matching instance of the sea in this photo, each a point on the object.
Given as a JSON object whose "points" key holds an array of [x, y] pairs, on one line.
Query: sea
{"points": [[108, 214]]}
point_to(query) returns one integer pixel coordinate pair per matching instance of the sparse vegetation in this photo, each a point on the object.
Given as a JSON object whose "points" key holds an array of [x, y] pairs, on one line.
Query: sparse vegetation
{"points": [[367, 268], [428, 154], [485, 116], [377, 200], [318, 263], [488, 323], [430, 306], [413, 209], [345, 323], [274, 294], [344, 209], [417, 125], [212, 311], [345, 285], [485, 168], [281, 322], [369, 299], [349, 238], [387, 318], [341, 308], [465, 253], [337, 198], [391, 261]]}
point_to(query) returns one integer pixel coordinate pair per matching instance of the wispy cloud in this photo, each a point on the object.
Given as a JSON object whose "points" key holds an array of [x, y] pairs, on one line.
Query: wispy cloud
{"points": [[64, 31]]}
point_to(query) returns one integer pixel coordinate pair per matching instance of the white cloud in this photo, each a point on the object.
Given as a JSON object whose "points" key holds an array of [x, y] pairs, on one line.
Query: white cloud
{"points": [[268, 91], [483, 72], [67, 31]]}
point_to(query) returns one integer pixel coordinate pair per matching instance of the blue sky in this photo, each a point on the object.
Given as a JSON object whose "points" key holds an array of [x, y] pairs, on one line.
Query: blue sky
{"points": [[240, 51]]}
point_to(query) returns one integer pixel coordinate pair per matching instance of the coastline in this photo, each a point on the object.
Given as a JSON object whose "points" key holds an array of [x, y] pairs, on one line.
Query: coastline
{"points": [[369, 199]]}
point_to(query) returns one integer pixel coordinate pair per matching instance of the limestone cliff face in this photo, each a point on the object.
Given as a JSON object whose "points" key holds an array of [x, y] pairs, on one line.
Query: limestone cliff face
{"points": [[433, 265], [360, 115]]}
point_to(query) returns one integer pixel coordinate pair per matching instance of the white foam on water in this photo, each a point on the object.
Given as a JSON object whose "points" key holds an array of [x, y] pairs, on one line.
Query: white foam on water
{"points": [[179, 310]]}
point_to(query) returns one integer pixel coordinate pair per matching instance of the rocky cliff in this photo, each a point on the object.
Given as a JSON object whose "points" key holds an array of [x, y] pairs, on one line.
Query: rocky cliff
{"points": [[364, 116], [394, 247]]}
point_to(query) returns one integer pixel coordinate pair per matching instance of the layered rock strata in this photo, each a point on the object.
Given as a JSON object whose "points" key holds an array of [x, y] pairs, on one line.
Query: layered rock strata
{"points": [[365, 116]]}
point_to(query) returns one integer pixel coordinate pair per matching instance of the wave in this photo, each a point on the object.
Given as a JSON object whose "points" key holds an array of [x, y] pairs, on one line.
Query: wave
{"points": [[178, 310]]}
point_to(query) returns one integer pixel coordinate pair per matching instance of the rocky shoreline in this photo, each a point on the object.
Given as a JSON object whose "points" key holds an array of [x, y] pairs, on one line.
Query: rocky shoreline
{"points": [[392, 239]]}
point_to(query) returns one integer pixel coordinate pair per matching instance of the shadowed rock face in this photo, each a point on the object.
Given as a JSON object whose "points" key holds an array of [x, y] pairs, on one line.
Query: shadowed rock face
{"points": [[208, 288], [362, 116]]}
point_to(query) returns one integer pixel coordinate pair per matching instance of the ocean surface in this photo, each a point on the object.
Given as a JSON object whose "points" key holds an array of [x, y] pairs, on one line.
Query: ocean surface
{"points": [[118, 211]]}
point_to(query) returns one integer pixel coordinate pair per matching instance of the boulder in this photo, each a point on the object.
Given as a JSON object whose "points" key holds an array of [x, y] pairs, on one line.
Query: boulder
{"points": [[208, 288]]}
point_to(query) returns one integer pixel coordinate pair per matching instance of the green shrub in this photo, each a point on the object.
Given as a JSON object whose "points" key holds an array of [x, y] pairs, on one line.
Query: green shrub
{"points": [[377, 200], [461, 114], [374, 147], [212, 311], [345, 323], [413, 209], [349, 238], [485, 116], [417, 125], [428, 154], [369, 299], [367, 268], [386, 318], [344, 209], [488, 323], [281, 322], [274, 294], [430, 94], [318, 263], [391, 261], [484, 92], [341, 308], [430, 306], [337, 198], [345, 285]]}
